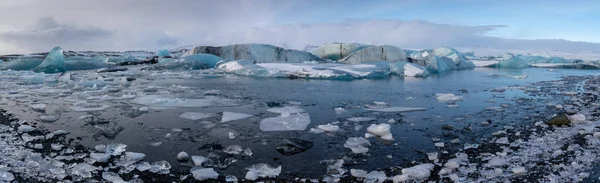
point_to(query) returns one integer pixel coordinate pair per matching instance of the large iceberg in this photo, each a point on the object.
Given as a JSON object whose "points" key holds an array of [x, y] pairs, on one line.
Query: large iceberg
{"points": [[373, 70], [458, 58], [21, 64], [523, 61], [376, 53], [260, 53], [190, 62], [440, 59], [337, 51], [163, 53], [54, 62]]}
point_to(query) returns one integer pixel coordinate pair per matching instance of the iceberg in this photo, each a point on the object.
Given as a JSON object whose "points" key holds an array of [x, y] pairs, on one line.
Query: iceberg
{"points": [[337, 51], [190, 62], [375, 54], [163, 53], [437, 64], [286, 122], [524, 61], [373, 70], [458, 58], [54, 62], [21, 64], [260, 53]]}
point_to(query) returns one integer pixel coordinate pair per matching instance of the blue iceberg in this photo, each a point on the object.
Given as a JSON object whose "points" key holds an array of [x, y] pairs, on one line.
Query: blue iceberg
{"points": [[21, 64], [338, 51], [54, 62], [190, 62], [163, 53], [260, 53], [375, 54], [524, 61]]}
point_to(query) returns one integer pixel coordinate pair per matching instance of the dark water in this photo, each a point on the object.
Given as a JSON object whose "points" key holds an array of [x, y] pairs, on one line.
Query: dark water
{"points": [[413, 131]]}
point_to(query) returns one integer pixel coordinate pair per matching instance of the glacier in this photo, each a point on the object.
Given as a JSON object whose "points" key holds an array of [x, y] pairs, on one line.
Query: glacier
{"points": [[337, 51], [260, 53], [375, 54]]}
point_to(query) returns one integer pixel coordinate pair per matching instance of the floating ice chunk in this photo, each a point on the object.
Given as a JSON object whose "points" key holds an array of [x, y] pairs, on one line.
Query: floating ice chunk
{"points": [[156, 144], [262, 170], [233, 149], [39, 107], [100, 157], [142, 109], [358, 173], [183, 156], [418, 172], [358, 145], [133, 156], [160, 101], [447, 97], [294, 122], [196, 115], [198, 160], [83, 170], [247, 152], [518, 170], [6, 176], [201, 173], [54, 62], [163, 53], [231, 178], [88, 107], [286, 110], [397, 109], [502, 140], [376, 176], [161, 167], [25, 129], [439, 144], [115, 149], [432, 156], [112, 177], [34, 79], [48, 118], [328, 128], [577, 118], [381, 130], [339, 110], [232, 116], [361, 119]]}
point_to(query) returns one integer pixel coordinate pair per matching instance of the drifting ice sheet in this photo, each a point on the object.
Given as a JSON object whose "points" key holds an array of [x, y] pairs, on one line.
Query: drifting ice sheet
{"points": [[160, 101], [293, 122], [232, 116]]}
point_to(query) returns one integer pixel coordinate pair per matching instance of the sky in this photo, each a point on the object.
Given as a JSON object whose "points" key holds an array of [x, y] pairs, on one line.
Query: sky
{"points": [[28, 26]]}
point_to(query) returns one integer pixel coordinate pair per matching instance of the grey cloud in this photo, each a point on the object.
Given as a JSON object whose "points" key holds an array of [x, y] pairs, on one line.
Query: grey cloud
{"points": [[47, 33]]}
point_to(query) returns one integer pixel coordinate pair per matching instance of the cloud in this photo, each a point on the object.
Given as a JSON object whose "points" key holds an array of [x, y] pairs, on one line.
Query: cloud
{"points": [[46, 33]]}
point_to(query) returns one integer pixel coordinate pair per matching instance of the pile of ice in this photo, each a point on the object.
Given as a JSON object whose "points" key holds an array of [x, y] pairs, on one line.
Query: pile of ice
{"points": [[373, 70], [261, 53]]}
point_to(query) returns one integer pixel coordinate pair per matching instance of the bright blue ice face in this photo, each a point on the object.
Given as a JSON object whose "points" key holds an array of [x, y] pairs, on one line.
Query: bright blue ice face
{"points": [[54, 62]]}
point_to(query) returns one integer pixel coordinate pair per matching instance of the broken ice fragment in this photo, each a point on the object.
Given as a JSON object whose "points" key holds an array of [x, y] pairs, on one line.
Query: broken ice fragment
{"points": [[380, 130], [262, 170], [418, 172], [376, 176], [232, 116], [6, 176], [447, 97], [231, 178], [183, 156], [286, 110], [162, 101], [25, 129], [201, 173], [196, 115], [100, 157], [293, 146], [161, 167], [39, 107], [48, 119], [358, 173], [111, 177], [328, 128], [88, 107], [233, 149], [293, 122], [397, 109], [115, 149], [358, 145], [361, 119], [198, 160], [518, 170]]}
